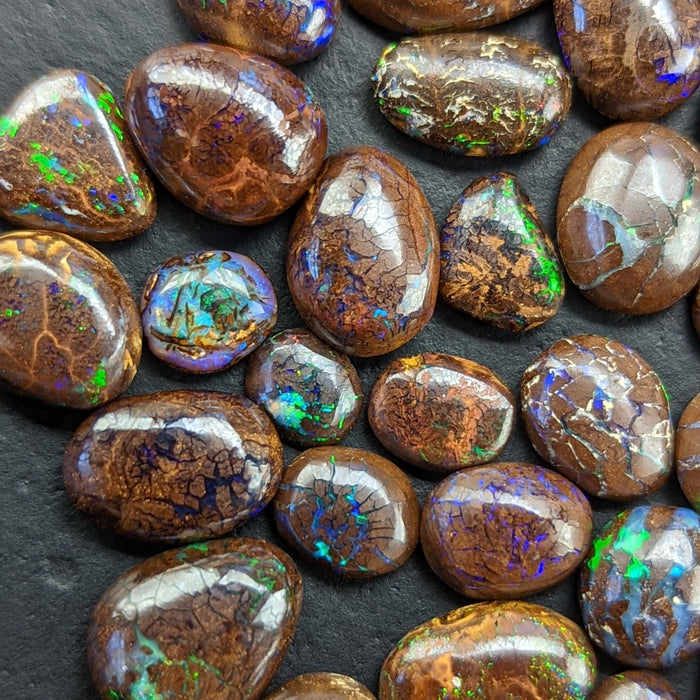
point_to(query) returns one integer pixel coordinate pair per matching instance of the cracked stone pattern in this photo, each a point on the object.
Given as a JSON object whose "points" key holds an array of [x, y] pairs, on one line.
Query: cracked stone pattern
{"points": [[629, 217], [233, 135], [362, 255], [211, 621], [288, 31], [505, 530], [439, 15], [348, 510], [688, 452], [497, 262], [68, 164], [502, 649], [640, 597], [174, 466], [632, 59], [311, 392], [322, 686], [596, 411], [205, 311], [634, 685], [441, 412], [473, 94], [69, 327]]}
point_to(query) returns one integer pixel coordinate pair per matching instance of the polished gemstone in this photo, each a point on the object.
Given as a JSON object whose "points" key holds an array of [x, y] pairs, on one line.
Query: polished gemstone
{"points": [[599, 414], [205, 311], [491, 650], [212, 620], [632, 59], [439, 15], [688, 452], [69, 326], [362, 261], [67, 162], [441, 412], [640, 598], [312, 392], [348, 510], [634, 685], [474, 94], [233, 135], [505, 530], [628, 218], [322, 686], [497, 261], [289, 31], [174, 466]]}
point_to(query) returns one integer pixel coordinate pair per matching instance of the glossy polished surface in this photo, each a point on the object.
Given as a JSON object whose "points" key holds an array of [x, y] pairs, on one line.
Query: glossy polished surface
{"points": [[599, 414], [288, 31], [634, 685], [212, 620], [632, 59], [497, 262], [474, 94], [491, 650], [67, 162], [205, 311], [688, 452], [441, 412], [439, 15], [628, 218], [69, 326], [362, 255], [174, 466], [322, 686], [505, 530], [639, 595], [348, 510], [232, 135], [312, 393]]}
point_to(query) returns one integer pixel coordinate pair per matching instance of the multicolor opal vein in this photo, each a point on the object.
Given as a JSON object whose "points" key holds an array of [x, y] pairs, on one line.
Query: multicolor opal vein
{"points": [[688, 452], [205, 311], [473, 94], [349, 510], [67, 162], [596, 411], [505, 650], [208, 622], [640, 597]]}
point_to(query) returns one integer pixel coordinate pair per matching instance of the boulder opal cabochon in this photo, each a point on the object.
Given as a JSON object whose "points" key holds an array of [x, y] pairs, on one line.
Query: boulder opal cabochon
{"points": [[69, 327], [288, 31], [634, 685], [505, 530], [212, 620], [174, 466], [322, 686], [348, 510], [491, 650], [598, 413], [474, 94], [640, 599], [632, 59], [205, 311], [312, 392], [688, 452], [67, 162], [441, 412], [362, 256], [436, 15], [233, 135], [628, 215], [497, 262]]}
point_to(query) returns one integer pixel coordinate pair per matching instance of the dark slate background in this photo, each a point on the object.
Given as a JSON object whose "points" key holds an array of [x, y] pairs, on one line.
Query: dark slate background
{"points": [[54, 565]]}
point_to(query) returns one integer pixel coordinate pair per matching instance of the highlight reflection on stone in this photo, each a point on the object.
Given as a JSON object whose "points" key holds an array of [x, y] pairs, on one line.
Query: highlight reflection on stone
{"points": [[634, 685], [322, 686]]}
